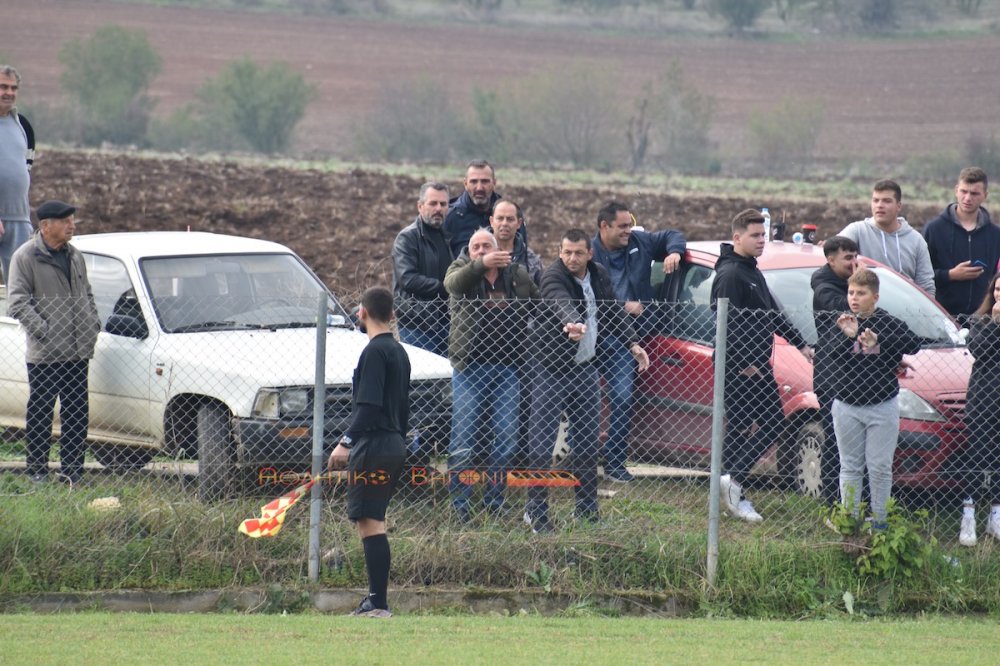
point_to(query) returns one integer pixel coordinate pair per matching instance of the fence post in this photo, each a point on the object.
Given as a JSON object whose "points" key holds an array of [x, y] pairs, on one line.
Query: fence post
{"points": [[718, 411], [318, 427]]}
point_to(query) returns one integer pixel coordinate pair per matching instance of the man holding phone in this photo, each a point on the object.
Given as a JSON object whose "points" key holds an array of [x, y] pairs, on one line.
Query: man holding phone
{"points": [[964, 245]]}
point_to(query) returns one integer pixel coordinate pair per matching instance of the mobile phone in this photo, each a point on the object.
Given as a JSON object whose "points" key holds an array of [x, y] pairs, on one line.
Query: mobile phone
{"points": [[979, 262]]}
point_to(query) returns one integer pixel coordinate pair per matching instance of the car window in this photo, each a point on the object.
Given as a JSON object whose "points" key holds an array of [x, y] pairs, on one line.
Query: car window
{"points": [[693, 316], [897, 296], [234, 291], [112, 287]]}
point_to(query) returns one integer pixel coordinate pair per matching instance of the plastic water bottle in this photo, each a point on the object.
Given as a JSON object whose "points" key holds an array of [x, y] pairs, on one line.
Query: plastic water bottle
{"points": [[767, 224]]}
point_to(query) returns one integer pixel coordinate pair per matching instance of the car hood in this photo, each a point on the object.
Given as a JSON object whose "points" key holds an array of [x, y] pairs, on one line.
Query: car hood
{"points": [[283, 357]]}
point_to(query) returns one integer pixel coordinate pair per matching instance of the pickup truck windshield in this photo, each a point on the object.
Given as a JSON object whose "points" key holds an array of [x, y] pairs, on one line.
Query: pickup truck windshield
{"points": [[235, 291]]}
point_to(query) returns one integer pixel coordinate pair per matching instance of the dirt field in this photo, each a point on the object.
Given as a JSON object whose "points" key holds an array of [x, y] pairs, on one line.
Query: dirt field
{"points": [[885, 99], [343, 224]]}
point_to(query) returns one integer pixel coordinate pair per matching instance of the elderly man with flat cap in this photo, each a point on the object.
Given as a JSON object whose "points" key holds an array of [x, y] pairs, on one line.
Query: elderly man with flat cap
{"points": [[48, 292]]}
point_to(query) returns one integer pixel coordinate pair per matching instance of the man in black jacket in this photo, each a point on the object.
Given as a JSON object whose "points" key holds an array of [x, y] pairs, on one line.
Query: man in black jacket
{"points": [[420, 260], [964, 245], [471, 210], [829, 285], [751, 393], [578, 310]]}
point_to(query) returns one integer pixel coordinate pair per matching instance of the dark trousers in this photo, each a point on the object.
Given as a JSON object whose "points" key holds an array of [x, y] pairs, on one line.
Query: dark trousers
{"points": [[68, 382], [830, 460], [575, 391], [754, 421]]}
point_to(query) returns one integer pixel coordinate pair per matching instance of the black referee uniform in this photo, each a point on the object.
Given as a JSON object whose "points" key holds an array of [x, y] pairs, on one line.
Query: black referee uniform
{"points": [[379, 422]]}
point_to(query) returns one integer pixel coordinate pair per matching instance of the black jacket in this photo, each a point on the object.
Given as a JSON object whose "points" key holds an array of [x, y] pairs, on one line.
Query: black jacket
{"points": [[418, 271], [829, 302], [983, 399], [464, 219], [949, 244], [563, 303], [870, 378], [754, 315]]}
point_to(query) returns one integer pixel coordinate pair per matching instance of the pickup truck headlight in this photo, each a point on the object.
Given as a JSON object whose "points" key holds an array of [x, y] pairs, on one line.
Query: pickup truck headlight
{"points": [[275, 403], [912, 406]]}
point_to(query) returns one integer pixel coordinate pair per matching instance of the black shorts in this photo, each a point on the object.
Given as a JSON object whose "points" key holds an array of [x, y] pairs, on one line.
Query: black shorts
{"points": [[375, 468]]}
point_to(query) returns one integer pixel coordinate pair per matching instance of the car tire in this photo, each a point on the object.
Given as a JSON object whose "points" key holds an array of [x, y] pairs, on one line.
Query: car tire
{"points": [[216, 464], [805, 459], [121, 458]]}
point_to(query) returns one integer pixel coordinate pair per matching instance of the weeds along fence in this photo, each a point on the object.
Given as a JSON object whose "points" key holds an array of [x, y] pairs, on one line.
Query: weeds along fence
{"points": [[202, 406]]}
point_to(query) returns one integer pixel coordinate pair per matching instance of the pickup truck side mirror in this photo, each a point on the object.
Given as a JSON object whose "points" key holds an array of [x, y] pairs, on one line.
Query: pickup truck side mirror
{"points": [[128, 326]]}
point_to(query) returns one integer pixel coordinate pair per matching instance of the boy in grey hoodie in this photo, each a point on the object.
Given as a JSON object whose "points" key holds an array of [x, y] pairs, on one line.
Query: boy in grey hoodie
{"points": [[886, 236]]}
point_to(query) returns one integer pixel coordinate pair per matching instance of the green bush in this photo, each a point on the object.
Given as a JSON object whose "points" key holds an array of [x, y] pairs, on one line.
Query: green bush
{"points": [[738, 14], [786, 134], [259, 104], [108, 75], [984, 152]]}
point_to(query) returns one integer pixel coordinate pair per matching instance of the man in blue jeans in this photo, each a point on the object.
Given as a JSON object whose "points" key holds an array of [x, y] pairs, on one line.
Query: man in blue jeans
{"points": [[490, 296], [628, 254]]}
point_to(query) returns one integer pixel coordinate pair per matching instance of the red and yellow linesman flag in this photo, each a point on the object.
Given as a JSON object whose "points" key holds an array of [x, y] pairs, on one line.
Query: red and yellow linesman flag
{"points": [[272, 514]]}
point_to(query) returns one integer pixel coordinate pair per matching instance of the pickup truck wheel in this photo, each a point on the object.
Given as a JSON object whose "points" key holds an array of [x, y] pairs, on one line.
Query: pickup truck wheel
{"points": [[216, 465], [807, 459], [121, 458]]}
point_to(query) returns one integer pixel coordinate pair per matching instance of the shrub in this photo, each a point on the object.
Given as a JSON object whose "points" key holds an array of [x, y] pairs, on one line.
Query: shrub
{"points": [[108, 75], [738, 14], [412, 120], [787, 133], [261, 105], [984, 152]]}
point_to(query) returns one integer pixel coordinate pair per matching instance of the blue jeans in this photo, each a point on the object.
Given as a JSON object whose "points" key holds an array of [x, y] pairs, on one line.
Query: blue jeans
{"points": [[433, 341], [576, 391], [618, 368], [495, 390]]}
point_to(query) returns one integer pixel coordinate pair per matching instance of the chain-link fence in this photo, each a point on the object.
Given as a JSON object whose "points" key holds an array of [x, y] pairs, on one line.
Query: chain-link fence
{"points": [[202, 383]]}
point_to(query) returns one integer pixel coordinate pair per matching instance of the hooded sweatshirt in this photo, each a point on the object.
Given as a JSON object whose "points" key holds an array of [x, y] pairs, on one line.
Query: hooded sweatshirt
{"points": [[903, 250], [950, 244], [829, 302], [754, 315]]}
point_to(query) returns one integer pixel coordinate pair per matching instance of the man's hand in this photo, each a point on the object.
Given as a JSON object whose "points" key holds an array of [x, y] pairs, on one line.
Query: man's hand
{"points": [[640, 355], [750, 371], [671, 262], [497, 259], [848, 323], [575, 331], [634, 308], [964, 272], [808, 352], [338, 458]]}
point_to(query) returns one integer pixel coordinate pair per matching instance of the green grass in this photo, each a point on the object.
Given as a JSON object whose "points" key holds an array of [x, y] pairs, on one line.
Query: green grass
{"points": [[308, 639]]}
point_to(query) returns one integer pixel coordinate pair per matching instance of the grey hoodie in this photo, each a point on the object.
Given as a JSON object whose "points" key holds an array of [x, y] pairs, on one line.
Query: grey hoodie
{"points": [[904, 250]]}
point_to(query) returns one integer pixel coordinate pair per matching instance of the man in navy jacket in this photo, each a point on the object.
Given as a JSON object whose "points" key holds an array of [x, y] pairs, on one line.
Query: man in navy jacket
{"points": [[628, 254], [964, 245]]}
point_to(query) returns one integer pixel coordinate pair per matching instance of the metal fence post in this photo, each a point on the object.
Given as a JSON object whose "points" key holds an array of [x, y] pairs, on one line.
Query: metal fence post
{"points": [[718, 411], [319, 421]]}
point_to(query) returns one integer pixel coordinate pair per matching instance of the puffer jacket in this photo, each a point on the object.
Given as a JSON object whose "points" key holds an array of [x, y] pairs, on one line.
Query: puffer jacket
{"points": [[59, 315]]}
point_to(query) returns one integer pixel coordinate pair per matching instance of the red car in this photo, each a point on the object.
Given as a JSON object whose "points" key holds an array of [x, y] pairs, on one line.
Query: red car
{"points": [[673, 399]]}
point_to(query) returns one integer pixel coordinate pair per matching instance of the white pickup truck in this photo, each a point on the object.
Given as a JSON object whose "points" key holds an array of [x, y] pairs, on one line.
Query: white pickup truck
{"points": [[208, 349]]}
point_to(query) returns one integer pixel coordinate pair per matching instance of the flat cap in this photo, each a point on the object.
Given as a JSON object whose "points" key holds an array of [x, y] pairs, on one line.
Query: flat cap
{"points": [[54, 210]]}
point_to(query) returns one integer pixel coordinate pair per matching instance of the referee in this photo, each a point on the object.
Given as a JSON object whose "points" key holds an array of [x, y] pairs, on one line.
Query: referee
{"points": [[372, 450]]}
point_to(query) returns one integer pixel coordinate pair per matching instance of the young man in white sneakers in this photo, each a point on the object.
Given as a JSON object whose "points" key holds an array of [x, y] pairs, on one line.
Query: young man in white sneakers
{"points": [[374, 442], [754, 414]]}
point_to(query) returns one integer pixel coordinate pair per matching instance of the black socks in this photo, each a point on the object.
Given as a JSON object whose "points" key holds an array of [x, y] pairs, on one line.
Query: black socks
{"points": [[377, 562]]}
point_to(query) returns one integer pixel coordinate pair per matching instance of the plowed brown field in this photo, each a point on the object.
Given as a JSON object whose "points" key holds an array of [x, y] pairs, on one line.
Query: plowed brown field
{"points": [[343, 224]]}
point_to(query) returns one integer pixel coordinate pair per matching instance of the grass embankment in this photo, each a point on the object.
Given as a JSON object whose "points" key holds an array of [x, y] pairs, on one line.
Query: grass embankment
{"points": [[652, 541], [308, 639]]}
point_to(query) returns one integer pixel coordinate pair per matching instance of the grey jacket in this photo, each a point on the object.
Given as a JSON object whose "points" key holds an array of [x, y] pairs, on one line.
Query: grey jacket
{"points": [[904, 250], [59, 315]]}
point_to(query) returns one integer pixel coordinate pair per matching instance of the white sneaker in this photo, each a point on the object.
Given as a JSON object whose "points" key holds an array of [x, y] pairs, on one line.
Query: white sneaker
{"points": [[730, 494], [745, 511], [967, 533], [993, 525]]}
